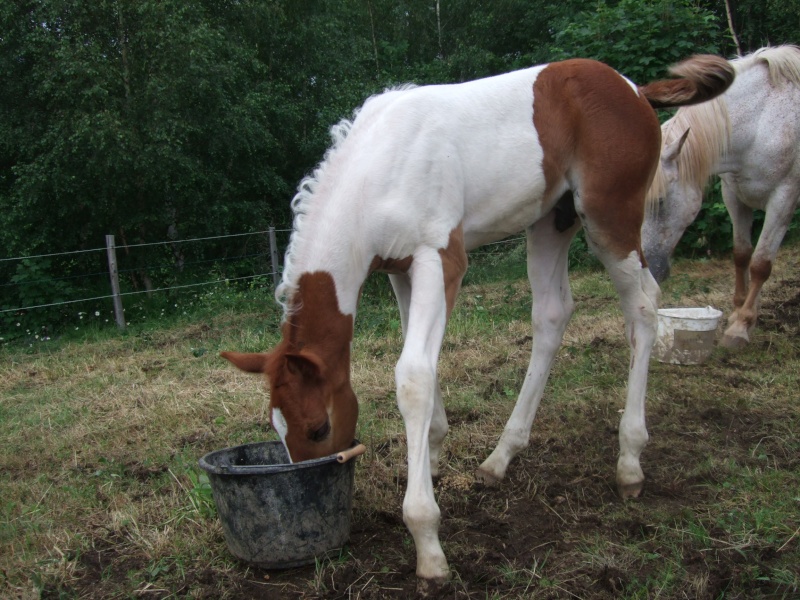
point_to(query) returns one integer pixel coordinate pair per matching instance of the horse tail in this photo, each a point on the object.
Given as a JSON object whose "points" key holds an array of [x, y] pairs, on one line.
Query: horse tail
{"points": [[700, 78]]}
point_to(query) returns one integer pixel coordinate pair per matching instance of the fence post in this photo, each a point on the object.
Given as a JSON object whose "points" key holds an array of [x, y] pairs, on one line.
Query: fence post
{"points": [[114, 274], [273, 252]]}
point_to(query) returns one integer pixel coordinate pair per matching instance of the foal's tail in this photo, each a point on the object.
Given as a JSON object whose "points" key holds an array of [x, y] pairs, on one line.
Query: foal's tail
{"points": [[701, 77]]}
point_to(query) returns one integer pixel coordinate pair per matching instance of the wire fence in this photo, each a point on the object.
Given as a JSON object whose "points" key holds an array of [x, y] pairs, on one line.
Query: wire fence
{"points": [[46, 278], [39, 282]]}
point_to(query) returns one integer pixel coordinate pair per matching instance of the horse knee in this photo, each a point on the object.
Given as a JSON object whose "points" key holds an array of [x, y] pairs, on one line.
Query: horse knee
{"points": [[550, 322], [651, 288], [415, 389], [421, 514]]}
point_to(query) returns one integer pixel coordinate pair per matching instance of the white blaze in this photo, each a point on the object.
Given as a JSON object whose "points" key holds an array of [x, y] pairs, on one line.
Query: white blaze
{"points": [[282, 428]]}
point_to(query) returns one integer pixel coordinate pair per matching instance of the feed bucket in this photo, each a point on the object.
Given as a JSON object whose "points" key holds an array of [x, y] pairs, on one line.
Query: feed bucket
{"points": [[686, 335], [276, 514]]}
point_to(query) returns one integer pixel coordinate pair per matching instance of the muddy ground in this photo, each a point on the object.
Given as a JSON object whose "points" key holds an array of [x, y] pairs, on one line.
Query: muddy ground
{"points": [[560, 493], [555, 528]]}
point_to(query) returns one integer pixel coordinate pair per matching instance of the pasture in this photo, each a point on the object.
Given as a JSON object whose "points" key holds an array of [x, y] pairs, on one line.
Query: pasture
{"points": [[100, 495]]}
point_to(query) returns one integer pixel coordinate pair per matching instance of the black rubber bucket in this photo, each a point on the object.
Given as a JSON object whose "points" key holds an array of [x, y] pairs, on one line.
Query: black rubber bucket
{"points": [[276, 514]]}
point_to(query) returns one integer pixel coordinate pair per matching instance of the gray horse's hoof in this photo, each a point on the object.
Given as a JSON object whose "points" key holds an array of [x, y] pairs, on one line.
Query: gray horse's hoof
{"points": [[733, 342]]}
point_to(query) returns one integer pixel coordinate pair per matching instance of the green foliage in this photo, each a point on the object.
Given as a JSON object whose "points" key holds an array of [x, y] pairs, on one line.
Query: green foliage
{"points": [[161, 119], [200, 495], [36, 283], [640, 39], [760, 23], [711, 232]]}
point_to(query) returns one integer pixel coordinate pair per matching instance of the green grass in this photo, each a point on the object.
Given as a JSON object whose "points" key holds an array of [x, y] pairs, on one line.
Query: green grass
{"points": [[101, 497]]}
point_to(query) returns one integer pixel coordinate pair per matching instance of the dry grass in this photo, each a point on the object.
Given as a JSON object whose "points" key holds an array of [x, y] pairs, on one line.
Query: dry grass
{"points": [[99, 444]]}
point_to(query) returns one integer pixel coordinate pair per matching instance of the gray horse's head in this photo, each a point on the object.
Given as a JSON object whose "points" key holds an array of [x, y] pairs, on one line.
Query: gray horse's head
{"points": [[673, 207]]}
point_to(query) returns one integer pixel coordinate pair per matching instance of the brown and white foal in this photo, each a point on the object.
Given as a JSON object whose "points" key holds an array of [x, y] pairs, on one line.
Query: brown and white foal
{"points": [[422, 175]]}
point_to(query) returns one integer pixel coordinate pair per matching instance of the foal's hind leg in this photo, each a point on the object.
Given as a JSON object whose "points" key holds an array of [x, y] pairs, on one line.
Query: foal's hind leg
{"points": [[552, 308], [639, 294]]}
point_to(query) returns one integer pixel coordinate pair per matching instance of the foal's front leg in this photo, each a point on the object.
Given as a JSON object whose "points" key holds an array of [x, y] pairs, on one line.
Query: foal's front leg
{"points": [[401, 284], [416, 380]]}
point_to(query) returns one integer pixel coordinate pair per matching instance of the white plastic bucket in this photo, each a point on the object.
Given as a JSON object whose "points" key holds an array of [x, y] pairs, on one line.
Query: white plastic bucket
{"points": [[686, 335]]}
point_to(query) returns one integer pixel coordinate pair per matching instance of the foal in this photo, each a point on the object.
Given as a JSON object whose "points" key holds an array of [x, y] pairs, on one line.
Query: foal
{"points": [[421, 176]]}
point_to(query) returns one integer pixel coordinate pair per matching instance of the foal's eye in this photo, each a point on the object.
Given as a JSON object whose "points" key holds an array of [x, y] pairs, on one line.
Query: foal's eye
{"points": [[320, 433]]}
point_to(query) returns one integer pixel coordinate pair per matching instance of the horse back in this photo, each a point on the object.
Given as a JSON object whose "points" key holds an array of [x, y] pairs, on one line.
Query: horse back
{"points": [[497, 154]]}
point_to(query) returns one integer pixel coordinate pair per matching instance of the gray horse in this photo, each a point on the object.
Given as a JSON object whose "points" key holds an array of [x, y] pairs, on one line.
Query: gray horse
{"points": [[750, 137]]}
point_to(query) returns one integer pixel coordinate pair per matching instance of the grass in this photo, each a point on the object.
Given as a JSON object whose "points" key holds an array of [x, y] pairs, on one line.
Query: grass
{"points": [[100, 495]]}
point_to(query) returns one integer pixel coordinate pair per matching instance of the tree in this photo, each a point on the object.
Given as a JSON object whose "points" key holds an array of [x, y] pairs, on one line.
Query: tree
{"points": [[147, 119], [640, 38], [766, 22]]}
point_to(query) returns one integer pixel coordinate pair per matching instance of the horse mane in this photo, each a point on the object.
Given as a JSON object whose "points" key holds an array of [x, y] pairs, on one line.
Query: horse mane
{"points": [[710, 124], [709, 138], [783, 63], [306, 196]]}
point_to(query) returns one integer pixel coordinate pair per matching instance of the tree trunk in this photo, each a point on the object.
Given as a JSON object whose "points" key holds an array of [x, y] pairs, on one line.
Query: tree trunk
{"points": [[439, 27], [374, 41], [729, 11]]}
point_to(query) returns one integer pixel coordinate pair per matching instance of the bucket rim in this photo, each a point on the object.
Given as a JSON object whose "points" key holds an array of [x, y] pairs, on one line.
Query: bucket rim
{"points": [[698, 313], [262, 469]]}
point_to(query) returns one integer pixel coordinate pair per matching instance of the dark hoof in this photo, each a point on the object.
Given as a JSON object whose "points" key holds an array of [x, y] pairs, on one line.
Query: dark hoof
{"points": [[433, 588], [630, 490], [486, 478]]}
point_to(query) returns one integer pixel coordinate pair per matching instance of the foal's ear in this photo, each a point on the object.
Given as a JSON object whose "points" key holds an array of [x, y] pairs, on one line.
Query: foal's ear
{"points": [[251, 362], [673, 149]]}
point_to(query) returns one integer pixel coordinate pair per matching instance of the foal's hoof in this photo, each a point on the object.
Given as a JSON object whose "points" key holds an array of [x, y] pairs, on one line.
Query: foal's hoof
{"points": [[432, 588], [486, 478], [630, 490]]}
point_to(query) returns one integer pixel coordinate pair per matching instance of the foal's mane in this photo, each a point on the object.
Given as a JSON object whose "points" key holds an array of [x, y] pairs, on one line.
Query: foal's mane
{"points": [[306, 196], [710, 124]]}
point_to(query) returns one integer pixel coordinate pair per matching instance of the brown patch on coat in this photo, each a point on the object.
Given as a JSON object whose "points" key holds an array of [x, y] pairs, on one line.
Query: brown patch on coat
{"points": [[602, 140], [394, 266], [454, 265], [308, 372]]}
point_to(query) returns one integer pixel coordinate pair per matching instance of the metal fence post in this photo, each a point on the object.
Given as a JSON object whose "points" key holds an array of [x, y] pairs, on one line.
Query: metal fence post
{"points": [[114, 275], [273, 252]]}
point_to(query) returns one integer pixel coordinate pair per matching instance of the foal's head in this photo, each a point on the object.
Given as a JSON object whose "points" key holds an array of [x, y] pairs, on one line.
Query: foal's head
{"points": [[312, 405]]}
